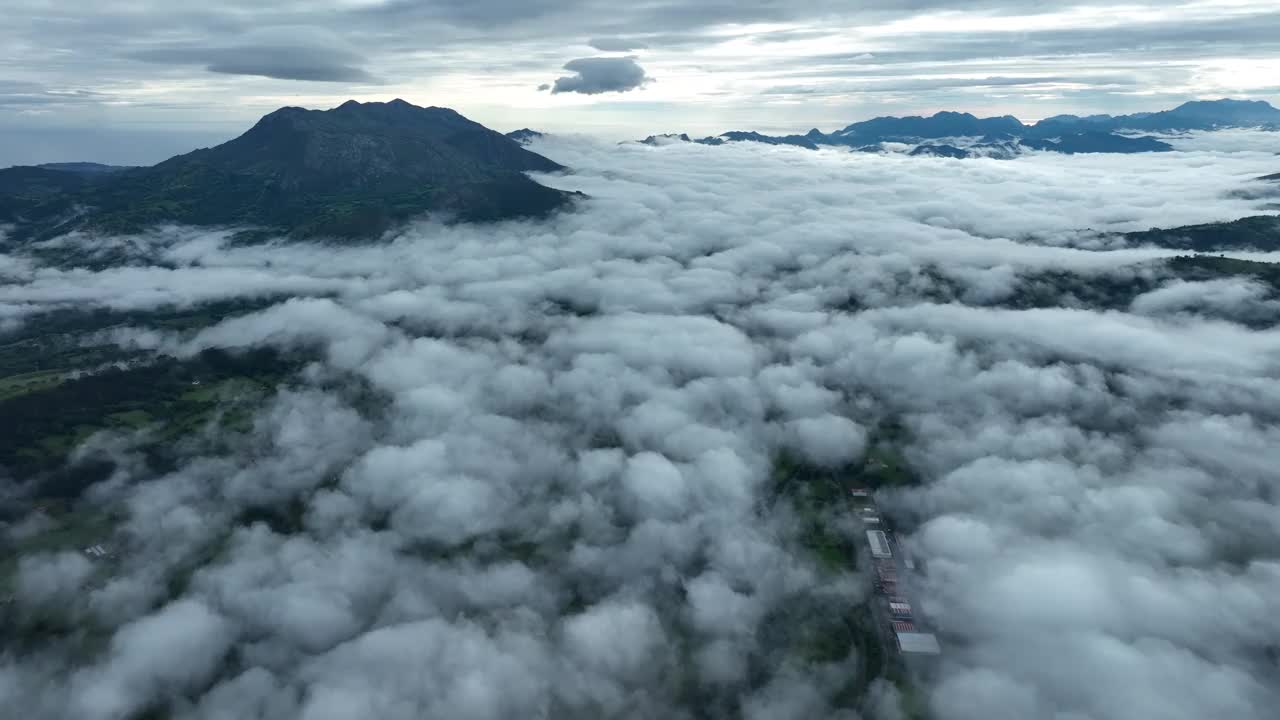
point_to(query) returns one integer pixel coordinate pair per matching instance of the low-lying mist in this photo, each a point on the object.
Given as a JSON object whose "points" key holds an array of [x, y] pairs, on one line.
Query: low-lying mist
{"points": [[527, 469]]}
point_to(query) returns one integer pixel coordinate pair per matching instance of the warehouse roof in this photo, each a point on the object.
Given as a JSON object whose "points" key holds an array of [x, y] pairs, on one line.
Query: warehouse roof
{"points": [[914, 642]]}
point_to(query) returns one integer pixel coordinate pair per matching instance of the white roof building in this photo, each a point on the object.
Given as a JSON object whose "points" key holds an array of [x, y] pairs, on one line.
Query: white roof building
{"points": [[879, 544], [915, 642]]}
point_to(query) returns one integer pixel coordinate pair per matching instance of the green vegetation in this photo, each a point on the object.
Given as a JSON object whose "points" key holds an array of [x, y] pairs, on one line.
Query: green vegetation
{"points": [[885, 467], [1206, 267], [59, 386], [915, 704], [174, 398], [33, 194], [1260, 232], [818, 630], [816, 495], [1057, 288]]}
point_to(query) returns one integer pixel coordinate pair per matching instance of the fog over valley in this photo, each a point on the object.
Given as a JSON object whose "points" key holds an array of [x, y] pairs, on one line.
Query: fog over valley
{"points": [[597, 463]]}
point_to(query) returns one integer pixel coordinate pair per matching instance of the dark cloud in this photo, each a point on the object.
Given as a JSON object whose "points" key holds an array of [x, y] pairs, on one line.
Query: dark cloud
{"points": [[616, 44], [282, 62], [601, 75], [307, 53]]}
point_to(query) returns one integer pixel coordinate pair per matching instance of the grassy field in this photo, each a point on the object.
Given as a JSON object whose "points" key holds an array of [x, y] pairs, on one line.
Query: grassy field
{"points": [[29, 382], [71, 531]]}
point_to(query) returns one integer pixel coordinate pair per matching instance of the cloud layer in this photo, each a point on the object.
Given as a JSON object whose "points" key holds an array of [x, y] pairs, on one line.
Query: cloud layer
{"points": [[556, 506]]}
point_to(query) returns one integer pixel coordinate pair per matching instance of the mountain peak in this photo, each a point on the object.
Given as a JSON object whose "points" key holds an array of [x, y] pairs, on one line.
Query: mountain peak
{"points": [[349, 171]]}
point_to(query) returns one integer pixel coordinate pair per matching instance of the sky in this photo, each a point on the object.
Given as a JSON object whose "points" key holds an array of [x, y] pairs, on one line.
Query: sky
{"points": [[557, 506], [137, 81]]}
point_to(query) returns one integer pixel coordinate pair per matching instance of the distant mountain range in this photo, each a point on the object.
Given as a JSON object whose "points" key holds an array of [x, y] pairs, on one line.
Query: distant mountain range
{"points": [[962, 135], [351, 171], [1197, 115]]}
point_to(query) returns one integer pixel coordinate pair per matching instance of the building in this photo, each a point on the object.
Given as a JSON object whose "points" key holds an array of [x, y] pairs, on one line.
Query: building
{"points": [[900, 609], [903, 626], [97, 551], [879, 544], [919, 643]]}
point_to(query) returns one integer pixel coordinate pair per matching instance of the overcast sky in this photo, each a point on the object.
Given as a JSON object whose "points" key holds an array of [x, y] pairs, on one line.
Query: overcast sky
{"points": [[136, 81]]}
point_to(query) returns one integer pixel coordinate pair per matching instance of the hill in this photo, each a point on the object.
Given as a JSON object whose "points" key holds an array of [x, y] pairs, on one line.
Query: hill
{"points": [[37, 194], [1093, 141], [85, 168], [351, 171], [1259, 232]]}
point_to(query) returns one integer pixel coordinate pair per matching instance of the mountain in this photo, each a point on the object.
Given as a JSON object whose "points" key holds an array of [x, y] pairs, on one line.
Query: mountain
{"points": [[1195, 115], [666, 139], [1274, 178], [797, 140], [732, 136], [915, 128], [524, 135], [351, 171]]}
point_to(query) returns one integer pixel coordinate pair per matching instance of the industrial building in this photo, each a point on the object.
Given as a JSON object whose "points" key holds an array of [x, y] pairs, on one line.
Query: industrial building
{"points": [[879, 544], [916, 642]]}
